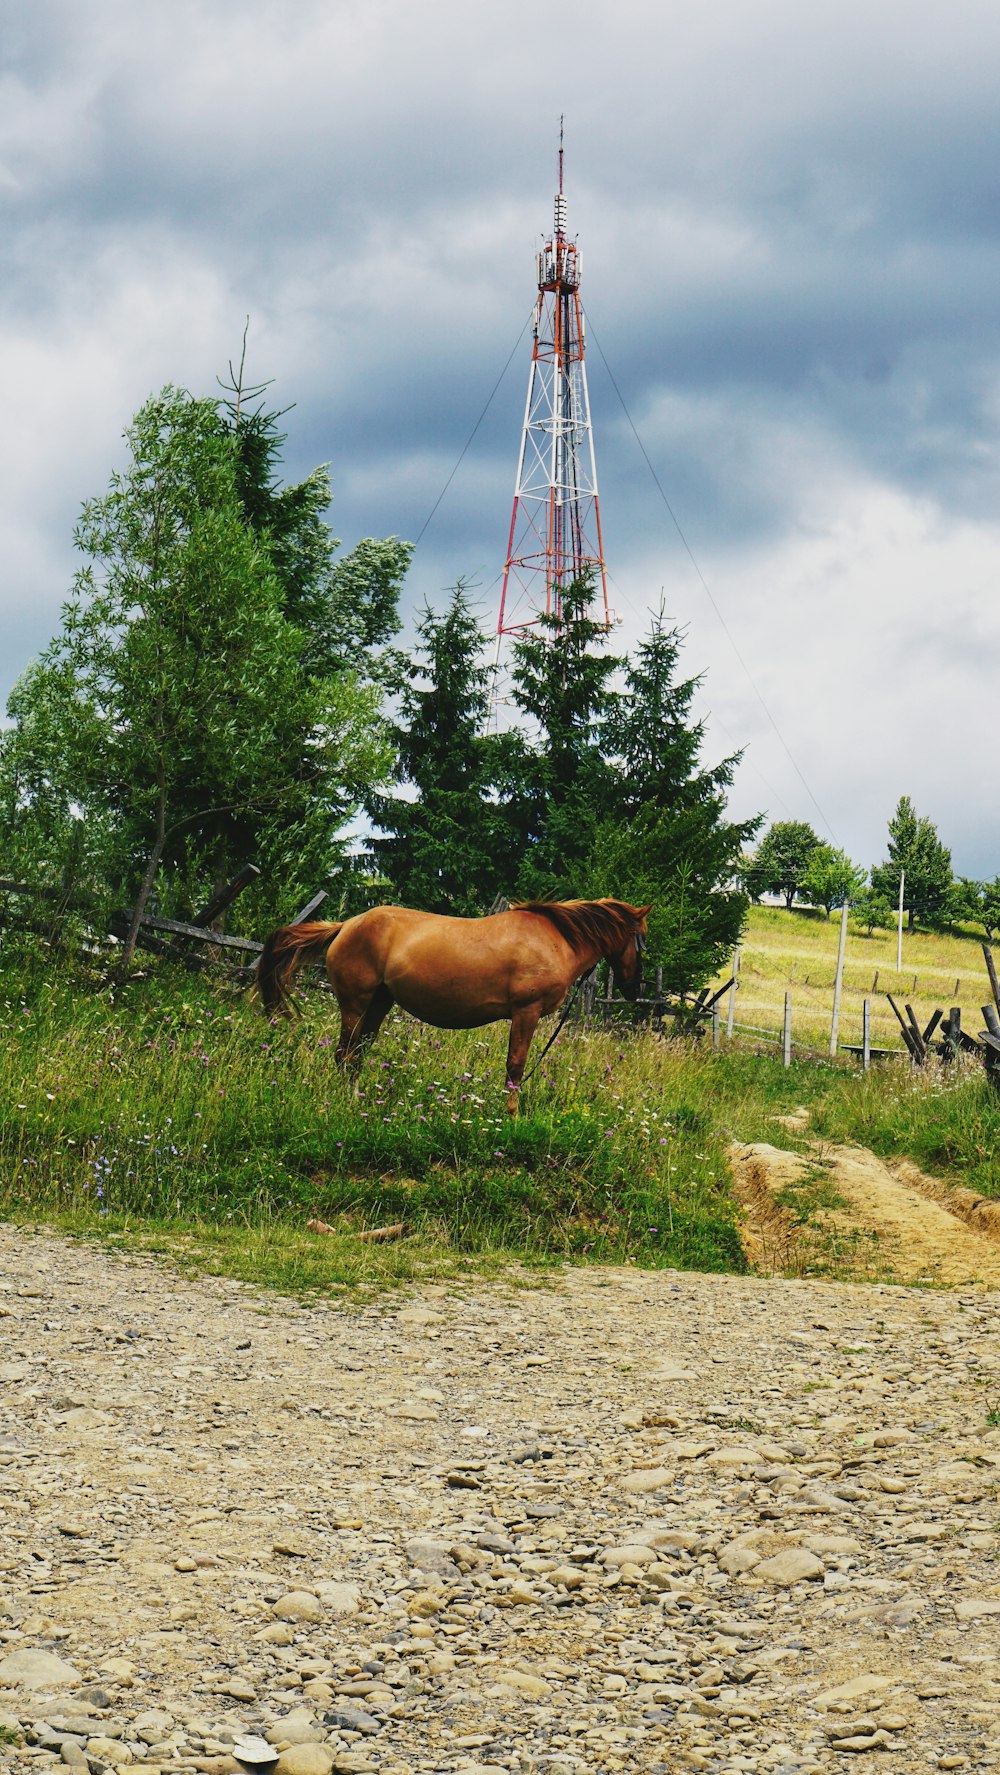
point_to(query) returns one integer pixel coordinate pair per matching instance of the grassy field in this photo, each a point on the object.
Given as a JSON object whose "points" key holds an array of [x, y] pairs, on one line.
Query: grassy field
{"points": [[797, 951], [172, 1119]]}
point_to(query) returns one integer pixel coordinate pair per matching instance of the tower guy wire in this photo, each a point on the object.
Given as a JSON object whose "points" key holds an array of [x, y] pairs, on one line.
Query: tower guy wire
{"points": [[706, 588]]}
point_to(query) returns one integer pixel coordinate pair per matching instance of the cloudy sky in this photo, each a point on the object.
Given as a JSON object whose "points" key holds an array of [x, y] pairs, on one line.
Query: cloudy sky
{"points": [[790, 225]]}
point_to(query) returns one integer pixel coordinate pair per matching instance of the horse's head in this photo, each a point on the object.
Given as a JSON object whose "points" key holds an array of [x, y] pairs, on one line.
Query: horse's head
{"points": [[626, 962]]}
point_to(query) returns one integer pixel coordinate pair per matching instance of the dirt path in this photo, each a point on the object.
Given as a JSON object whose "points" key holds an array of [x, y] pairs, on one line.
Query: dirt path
{"points": [[840, 1209]]}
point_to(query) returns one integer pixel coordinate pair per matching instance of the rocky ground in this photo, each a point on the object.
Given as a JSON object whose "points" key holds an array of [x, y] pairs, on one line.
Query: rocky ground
{"points": [[629, 1521]]}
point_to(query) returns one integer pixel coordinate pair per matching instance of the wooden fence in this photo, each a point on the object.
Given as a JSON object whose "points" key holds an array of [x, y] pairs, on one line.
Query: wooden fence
{"points": [[197, 945]]}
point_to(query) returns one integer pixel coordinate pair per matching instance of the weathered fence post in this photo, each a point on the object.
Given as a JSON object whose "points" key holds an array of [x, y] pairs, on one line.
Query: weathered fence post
{"points": [[838, 982], [731, 1014], [991, 970], [226, 895], [716, 1025], [309, 908], [786, 1038], [866, 1034]]}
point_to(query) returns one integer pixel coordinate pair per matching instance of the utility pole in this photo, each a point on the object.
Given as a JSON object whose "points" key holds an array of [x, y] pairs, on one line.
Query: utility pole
{"points": [[838, 984], [899, 935]]}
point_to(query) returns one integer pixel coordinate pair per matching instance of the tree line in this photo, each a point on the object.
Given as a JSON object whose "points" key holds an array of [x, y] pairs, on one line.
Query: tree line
{"points": [[792, 861], [227, 687]]}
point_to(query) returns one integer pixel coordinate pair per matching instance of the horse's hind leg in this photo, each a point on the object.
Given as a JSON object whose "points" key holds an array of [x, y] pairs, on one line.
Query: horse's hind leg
{"points": [[522, 1027], [360, 1023]]}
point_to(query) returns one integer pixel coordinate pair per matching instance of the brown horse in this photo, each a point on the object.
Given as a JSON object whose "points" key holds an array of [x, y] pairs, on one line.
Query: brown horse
{"points": [[459, 973]]}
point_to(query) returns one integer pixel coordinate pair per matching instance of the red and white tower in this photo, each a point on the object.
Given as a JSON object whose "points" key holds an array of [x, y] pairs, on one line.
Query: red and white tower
{"points": [[555, 526]]}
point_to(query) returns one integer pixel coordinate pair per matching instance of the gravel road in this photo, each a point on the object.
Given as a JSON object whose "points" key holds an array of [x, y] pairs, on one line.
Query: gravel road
{"points": [[627, 1521]]}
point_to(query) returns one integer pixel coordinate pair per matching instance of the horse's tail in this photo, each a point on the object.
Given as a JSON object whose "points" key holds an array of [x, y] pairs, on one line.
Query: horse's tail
{"points": [[283, 955]]}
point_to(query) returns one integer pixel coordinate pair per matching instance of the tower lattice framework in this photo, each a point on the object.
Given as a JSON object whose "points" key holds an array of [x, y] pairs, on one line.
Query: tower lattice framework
{"points": [[555, 526]]}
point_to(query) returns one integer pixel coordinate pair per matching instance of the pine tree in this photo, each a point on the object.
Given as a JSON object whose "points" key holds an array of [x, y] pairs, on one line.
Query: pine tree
{"points": [[189, 727], [561, 680], [347, 609], [450, 850], [665, 838]]}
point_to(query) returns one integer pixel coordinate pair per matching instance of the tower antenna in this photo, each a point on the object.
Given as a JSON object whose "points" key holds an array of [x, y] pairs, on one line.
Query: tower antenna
{"points": [[555, 527]]}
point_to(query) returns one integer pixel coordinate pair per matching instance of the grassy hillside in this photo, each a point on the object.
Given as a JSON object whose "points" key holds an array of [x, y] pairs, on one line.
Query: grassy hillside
{"points": [[797, 951]]}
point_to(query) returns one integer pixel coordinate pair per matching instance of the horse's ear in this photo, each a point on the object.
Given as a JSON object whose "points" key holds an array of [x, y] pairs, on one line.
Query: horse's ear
{"points": [[643, 911]]}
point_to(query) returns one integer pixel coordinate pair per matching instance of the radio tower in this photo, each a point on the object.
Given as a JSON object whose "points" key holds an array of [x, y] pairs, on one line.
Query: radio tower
{"points": [[555, 526]]}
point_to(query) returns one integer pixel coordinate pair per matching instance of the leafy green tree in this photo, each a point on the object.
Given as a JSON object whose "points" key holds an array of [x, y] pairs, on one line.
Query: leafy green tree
{"points": [[831, 878], [873, 911], [779, 864], [915, 848], [561, 680], [175, 704], [978, 902], [667, 840], [989, 907], [453, 847]]}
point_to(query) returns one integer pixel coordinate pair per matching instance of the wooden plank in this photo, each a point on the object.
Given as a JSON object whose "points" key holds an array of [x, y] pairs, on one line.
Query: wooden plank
{"points": [[951, 1034], [711, 1003], [920, 1051], [64, 896], [227, 895], [309, 908], [931, 1027], [904, 1026], [991, 970], [990, 1018], [179, 929]]}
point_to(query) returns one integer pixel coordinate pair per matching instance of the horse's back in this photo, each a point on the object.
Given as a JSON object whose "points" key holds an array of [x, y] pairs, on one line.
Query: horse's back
{"points": [[456, 972]]}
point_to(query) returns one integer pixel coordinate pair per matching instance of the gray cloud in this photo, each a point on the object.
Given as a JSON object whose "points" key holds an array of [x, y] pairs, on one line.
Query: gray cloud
{"points": [[790, 220]]}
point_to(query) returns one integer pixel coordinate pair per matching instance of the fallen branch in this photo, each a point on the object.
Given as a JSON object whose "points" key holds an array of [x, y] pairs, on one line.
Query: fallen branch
{"points": [[374, 1235]]}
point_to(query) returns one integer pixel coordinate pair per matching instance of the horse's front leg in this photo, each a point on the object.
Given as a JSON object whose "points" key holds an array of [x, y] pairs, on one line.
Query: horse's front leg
{"points": [[522, 1027]]}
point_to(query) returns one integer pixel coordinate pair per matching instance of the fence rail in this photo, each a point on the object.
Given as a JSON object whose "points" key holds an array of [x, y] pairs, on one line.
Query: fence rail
{"points": [[161, 936]]}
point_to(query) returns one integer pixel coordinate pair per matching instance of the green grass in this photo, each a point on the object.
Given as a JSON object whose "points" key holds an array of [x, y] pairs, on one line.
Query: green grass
{"points": [[946, 1120], [170, 1119], [810, 1193], [168, 1110]]}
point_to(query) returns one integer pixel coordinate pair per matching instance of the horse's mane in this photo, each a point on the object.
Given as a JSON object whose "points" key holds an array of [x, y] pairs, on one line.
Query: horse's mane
{"points": [[608, 923]]}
